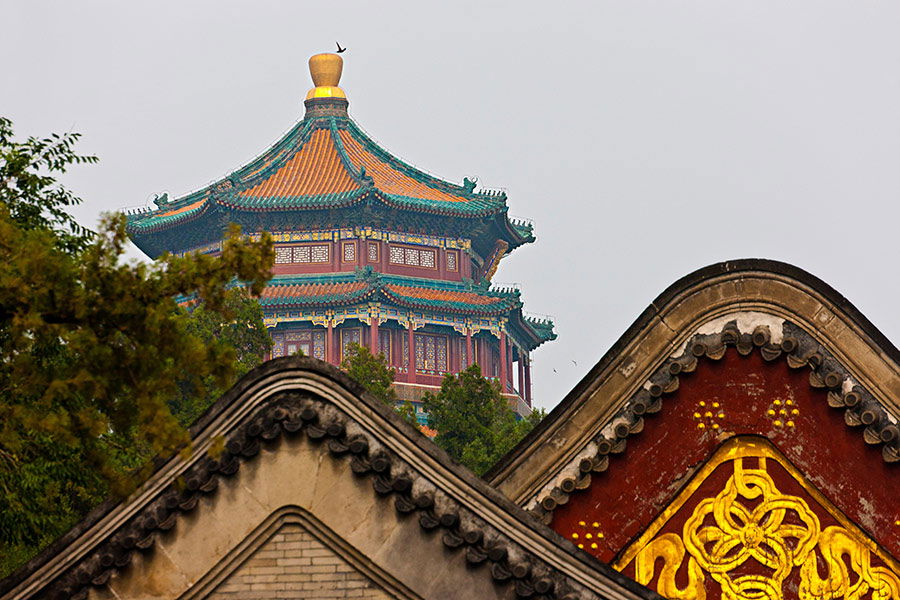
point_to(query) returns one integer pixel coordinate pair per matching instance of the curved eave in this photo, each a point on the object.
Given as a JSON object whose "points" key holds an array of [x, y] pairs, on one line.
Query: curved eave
{"points": [[281, 203], [226, 192], [381, 287], [312, 300], [515, 234], [502, 306], [147, 223], [536, 331]]}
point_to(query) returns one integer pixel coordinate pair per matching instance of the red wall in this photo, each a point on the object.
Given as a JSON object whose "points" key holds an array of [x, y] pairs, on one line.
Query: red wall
{"points": [[657, 462], [382, 265]]}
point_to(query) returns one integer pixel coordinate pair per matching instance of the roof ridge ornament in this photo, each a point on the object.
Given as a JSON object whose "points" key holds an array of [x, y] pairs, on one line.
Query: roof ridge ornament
{"points": [[326, 98]]}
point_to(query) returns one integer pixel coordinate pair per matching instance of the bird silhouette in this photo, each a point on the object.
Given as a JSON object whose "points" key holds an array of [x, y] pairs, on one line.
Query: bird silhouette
{"points": [[339, 47]]}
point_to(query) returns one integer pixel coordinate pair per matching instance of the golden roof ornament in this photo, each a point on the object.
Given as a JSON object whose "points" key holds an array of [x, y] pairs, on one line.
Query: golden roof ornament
{"points": [[326, 71]]}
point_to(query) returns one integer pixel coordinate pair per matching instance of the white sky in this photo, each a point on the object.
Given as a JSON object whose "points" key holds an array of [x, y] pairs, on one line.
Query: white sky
{"points": [[645, 139]]}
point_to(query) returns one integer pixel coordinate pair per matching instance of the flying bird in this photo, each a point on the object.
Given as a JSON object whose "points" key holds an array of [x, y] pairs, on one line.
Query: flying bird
{"points": [[339, 47]]}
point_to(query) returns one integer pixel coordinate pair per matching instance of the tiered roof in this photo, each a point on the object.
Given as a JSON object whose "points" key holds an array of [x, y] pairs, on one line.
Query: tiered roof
{"points": [[327, 173], [327, 162], [441, 296]]}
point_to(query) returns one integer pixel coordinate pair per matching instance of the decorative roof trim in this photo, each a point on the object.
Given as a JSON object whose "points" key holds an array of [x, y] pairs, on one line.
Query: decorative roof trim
{"points": [[297, 396], [798, 348], [710, 296]]}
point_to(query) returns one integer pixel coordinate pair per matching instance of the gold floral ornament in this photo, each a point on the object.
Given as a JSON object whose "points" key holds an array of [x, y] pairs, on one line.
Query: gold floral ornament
{"points": [[751, 522], [740, 534]]}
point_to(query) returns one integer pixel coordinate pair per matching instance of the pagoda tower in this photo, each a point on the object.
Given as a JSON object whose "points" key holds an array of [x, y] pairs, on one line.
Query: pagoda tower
{"points": [[368, 250]]}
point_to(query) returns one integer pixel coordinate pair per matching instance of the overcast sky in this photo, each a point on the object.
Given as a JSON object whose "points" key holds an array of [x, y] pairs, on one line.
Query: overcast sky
{"points": [[645, 139]]}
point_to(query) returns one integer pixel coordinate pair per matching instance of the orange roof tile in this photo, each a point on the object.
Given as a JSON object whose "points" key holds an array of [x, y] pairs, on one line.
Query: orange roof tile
{"points": [[182, 209], [442, 295], [315, 170], [387, 178], [272, 294]]}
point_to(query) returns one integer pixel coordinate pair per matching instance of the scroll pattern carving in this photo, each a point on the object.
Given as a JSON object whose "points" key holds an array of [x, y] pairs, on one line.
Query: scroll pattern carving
{"points": [[750, 538]]}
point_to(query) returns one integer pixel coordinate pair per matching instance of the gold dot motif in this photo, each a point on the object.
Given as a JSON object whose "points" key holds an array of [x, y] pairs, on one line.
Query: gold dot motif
{"points": [[588, 532], [783, 412], [708, 415]]}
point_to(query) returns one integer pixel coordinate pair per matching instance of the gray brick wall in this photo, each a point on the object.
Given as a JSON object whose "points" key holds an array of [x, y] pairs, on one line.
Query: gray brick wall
{"points": [[294, 564]]}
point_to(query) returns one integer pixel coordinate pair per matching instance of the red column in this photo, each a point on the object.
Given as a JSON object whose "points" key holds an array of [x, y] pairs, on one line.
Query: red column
{"points": [[528, 380], [470, 358], [411, 359], [329, 344], [509, 367], [521, 374], [503, 357], [373, 336], [483, 355]]}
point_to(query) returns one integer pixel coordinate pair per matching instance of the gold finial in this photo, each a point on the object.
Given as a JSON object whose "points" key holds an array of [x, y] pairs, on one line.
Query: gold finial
{"points": [[326, 75]]}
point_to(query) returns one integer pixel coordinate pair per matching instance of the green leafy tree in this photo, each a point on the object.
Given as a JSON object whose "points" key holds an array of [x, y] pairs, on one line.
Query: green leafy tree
{"points": [[92, 349], [374, 374], [32, 196], [240, 327], [371, 371], [474, 422]]}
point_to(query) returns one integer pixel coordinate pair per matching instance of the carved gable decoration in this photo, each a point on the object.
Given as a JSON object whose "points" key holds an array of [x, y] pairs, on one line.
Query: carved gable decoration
{"points": [[740, 441], [749, 526]]}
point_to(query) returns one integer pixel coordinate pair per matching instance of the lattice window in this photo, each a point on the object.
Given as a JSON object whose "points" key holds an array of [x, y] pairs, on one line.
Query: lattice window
{"points": [[440, 362], [405, 350], [412, 257], [349, 336], [298, 341], [384, 344], [431, 353], [284, 254], [319, 254], [463, 354], [349, 252], [452, 260], [319, 345], [301, 254], [426, 258], [277, 345], [420, 354], [373, 251]]}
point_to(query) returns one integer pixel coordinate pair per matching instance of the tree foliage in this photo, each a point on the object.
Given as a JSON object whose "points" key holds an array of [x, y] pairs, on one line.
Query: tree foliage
{"points": [[474, 422], [29, 191], [374, 374], [371, 371], [241, 329], [93, 350]]}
